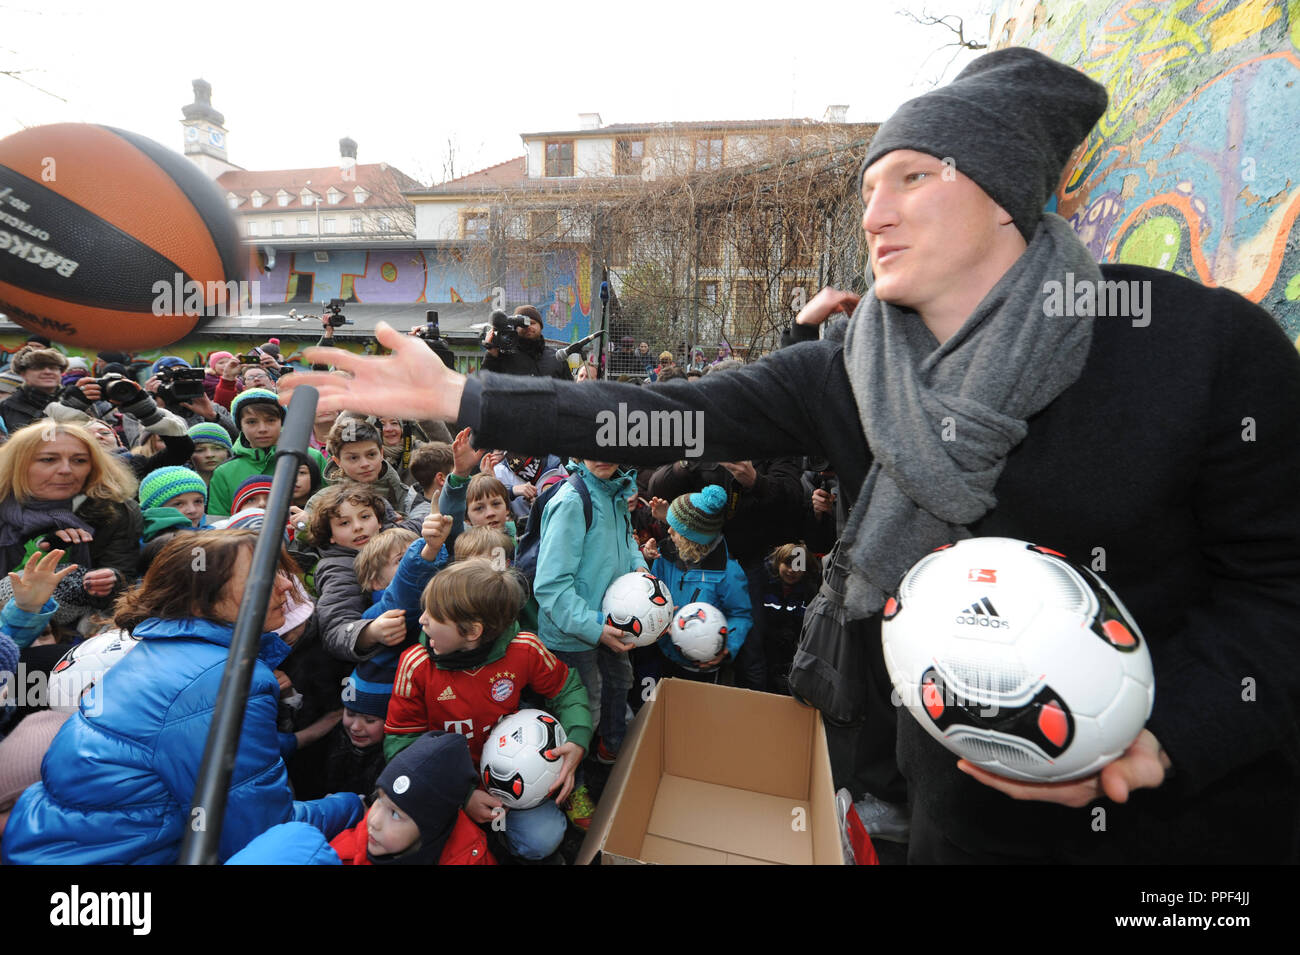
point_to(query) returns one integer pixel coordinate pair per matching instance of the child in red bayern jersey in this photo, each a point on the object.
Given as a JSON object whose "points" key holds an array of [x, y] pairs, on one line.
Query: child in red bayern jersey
{"points": [[468, 671]]}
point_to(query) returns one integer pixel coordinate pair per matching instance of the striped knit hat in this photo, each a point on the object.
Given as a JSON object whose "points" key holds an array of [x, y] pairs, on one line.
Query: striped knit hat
{"points": [[160, 486], [210, 432], [257, 484], [699, 517], [255, 396], [370, 685]]}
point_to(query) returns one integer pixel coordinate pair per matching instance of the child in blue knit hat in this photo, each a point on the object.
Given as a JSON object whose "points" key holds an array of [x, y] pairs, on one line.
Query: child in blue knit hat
{"points": [[176, 487], [694, 563]]}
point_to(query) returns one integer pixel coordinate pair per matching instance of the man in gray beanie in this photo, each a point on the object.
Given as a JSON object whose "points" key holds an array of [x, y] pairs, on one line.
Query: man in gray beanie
{"points": [[1154, 433]]}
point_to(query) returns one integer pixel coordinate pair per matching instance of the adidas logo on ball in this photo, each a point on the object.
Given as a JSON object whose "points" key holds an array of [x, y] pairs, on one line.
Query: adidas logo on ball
{"points": [[982, 613]]}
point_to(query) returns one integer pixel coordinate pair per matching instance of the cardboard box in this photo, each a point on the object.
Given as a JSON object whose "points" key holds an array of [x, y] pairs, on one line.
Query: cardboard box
{"points": [[714, 775]]}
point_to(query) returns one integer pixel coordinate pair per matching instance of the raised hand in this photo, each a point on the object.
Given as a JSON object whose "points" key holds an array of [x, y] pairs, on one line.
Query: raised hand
{"points": [[824, 304], [464, 458], [412, 382], [39, 578], [434, 530]]}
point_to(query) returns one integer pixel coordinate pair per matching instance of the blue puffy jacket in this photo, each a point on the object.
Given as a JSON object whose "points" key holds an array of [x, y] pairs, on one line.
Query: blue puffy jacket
{"points": [[576, 565], [117, 781], [716, 580]]}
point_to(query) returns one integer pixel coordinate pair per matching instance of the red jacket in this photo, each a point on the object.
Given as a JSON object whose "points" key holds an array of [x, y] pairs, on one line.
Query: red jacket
{"points": [[226, 391], [466, 846]]}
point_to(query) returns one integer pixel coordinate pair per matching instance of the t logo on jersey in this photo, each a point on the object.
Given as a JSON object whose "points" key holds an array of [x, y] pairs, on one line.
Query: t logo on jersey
{"points": [[464, 727]]}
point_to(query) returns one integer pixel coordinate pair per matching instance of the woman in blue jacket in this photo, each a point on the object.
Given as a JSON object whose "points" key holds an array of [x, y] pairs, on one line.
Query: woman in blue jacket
{"points": [[117, 781]]}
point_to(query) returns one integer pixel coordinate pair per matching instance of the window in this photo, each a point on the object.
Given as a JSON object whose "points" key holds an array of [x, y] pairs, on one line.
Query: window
{"points": [[232, 201], [385, 224], [356, 223], [628, 154], [708, 154], [277, 227], [329, 225], [333, 196], [559, 158], [710, 239], [304, 227], [283, 198], [544, 224], [798, 243], [747, 307], [794, 296], [707, 292], [474, 225], [360, 195], [307, 197], [259, 200], [251, 228]]}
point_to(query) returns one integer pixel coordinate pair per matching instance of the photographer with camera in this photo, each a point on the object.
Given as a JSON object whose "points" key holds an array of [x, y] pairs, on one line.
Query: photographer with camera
{"points": [[41, 370], [79, 402], [179, 388], [521, 348]]}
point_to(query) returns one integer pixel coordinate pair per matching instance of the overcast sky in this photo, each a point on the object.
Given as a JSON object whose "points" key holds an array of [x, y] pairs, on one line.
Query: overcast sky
{"points": [[403, 78]]}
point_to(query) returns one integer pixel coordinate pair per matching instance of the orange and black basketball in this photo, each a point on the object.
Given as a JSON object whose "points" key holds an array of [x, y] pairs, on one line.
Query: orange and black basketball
{"points": [[100, 229]]}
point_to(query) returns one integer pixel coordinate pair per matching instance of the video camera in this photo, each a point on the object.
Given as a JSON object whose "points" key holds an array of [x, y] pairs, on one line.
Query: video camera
{"points": [[177, 384], [504, 333], [335, 309], [430, 335]]}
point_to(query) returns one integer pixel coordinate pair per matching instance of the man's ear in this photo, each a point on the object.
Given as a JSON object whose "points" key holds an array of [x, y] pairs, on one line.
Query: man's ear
{"points": [[475, 632]]}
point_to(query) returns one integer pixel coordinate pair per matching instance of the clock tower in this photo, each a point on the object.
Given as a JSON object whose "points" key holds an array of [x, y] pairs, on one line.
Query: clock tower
{"points": [[204, 130]]}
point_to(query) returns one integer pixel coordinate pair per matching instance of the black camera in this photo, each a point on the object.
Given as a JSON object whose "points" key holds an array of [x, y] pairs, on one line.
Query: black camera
{"points": [[177, 384], [431, 336], [429, 330], [117, 388], [504, 333], [335, 309]]}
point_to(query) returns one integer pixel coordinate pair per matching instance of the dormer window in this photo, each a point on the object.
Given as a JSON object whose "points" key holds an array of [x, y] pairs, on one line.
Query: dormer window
{"points": [[333, 196], [308, 197], [283, 198], [360, 195], [233, 200], [259, 200]]}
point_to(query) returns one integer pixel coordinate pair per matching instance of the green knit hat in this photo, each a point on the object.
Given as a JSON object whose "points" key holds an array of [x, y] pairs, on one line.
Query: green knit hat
{"points": [[209, 432], [699, 517], [157, 520], [160, 486], [255, 396]]}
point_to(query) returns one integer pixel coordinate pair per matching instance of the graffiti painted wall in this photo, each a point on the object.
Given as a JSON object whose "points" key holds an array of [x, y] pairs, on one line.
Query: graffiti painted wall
{"points": [[1195, 166], [557, 283]]}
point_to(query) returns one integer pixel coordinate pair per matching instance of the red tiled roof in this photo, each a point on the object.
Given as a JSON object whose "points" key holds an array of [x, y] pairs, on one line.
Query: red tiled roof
{"points": [[509, 173], [383, 182]]}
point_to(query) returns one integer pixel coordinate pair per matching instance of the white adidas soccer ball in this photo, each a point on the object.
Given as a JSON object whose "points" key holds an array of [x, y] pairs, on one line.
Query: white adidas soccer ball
{"points": [[1017, 659], [85, 665], [640, 605], [699, 632], [514, 764]]}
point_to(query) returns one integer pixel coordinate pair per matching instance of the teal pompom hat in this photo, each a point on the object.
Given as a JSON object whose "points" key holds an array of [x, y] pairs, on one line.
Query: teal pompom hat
{"points": [[699, 517]]}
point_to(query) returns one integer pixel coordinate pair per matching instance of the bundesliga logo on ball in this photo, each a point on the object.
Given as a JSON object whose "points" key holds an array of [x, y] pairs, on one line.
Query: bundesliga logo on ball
{"points": [[1017, 659], [516, 765]]}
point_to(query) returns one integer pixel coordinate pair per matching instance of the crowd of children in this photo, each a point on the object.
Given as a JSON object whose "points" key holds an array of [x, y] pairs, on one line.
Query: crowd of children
{"points": [[400, 632]]}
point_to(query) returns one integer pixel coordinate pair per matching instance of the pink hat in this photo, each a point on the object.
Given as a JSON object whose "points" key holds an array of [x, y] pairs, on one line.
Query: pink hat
{"points": [[217, 356]]}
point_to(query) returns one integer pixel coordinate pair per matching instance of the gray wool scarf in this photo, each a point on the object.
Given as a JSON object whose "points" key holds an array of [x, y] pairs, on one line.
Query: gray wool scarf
{"points": [[941, 419]]}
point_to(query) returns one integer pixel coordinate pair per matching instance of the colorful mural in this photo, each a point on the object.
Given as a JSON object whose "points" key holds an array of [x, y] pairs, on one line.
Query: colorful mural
{"points": [[1195, 167], [557, 283]]}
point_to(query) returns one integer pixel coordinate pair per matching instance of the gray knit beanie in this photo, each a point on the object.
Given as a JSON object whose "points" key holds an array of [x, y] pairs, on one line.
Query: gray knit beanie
{"points": [[1009, 121]]}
